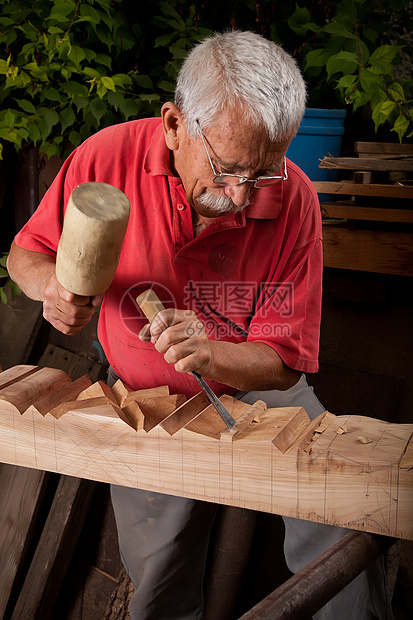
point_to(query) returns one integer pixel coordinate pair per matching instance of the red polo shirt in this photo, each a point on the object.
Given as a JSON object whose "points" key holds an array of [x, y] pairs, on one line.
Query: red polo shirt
{"points": [[252, 276]]}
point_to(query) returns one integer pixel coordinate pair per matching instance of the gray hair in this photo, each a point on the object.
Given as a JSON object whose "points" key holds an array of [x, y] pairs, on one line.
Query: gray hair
{"points": [[244, 70]]}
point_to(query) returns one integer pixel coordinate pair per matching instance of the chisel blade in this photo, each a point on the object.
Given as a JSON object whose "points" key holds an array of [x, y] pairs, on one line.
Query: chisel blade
{"points": [[214, 400]]}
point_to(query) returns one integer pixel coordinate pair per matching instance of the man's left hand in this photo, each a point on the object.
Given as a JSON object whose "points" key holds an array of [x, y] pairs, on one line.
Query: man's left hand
{"points": [[181, 337]]}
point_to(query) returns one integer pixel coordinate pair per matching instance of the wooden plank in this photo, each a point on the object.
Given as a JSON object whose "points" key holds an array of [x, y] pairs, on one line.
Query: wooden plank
{"points": [[355, 163], [185, 413], [348, 472], [20, 321], [348, 210], [22, 492], [356, 189], [74, 364], [374, 251], [55, 548], [385, 148], [34, 387]]}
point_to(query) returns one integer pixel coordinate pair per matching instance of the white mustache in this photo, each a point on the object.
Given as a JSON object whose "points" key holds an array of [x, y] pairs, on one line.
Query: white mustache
{"points": [[220, 204]]}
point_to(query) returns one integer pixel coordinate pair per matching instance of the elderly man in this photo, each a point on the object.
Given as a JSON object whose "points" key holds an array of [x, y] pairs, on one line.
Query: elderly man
{"points": [[228, 232]]}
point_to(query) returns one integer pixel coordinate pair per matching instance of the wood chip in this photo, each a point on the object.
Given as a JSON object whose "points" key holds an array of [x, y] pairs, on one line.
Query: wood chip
{"points": [[364, 439]]}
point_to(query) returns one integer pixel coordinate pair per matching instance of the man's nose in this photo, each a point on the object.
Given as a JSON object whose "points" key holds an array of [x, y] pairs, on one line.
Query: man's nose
{"points": [[239, 194]]}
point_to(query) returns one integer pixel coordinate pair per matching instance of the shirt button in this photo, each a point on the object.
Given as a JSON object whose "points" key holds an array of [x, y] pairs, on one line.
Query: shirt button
{"points": [[180, 207]]}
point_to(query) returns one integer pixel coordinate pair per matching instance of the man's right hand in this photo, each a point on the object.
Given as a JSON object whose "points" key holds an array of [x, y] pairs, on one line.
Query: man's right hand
{"points": [[67, 312]]}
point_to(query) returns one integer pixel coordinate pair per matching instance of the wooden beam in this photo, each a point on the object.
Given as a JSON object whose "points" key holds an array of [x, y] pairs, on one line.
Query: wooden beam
{"points": [[375, 251], [55, 549], [22, 491], [384, 148], [358, 189], [355, 163], [348, 210], [351, 471]]}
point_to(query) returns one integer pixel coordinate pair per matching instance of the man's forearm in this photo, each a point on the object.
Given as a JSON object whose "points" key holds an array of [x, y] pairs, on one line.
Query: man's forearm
{"points": [[250, 366], [30, 270]]}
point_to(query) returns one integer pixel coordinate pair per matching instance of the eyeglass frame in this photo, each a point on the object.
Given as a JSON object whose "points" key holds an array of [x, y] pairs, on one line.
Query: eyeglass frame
{"points": [[244, 179]]}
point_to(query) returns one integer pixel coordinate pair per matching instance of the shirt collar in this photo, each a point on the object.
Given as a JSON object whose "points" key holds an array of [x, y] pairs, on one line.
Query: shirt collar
{"points": [[157, 156], [265, 204]]}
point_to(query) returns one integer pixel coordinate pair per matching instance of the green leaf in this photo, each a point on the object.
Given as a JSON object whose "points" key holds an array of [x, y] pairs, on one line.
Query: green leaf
{"points": [[3, 295], [67, 118], [121, 79], [39, 73], [76, 54], [343, 62], [339, 29], [89, 71], [9, 118], [164, 39], [115, 99], [401, 125], [75, 138], [382, 58], [74, 88], [104, 59], [167, 86], [108, 83], [54, 30], [149, 98], [56, 17], [347, 81], [178, 52], [52, 118], [397, 92], [382, 112], [52, 94], [98, 108], [81, 102], [369, 81], [129, 107], [167, 9], [144, 81], [27, 106], [315, 58], [3, 273], [64, 8], [6, 21], [298, 21]]}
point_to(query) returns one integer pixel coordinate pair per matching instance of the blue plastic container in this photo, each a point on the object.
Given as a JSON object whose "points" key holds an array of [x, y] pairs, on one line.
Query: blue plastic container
{"points": [[320, 135]]}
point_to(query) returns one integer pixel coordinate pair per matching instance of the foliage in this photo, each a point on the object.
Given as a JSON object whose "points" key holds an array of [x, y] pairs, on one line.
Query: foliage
{"points": [[70, 67], [12, 286], [354, 46]]}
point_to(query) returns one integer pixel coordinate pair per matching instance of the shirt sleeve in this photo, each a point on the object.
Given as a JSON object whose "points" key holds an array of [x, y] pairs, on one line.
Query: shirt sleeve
{"points": [[288, 319]]}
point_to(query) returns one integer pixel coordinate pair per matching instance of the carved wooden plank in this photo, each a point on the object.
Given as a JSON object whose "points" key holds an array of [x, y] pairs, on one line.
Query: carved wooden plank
{"points": [[351, 471]]}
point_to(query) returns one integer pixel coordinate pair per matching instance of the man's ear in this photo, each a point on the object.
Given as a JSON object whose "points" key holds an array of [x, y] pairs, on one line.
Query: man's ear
{"points": [[173, 124]]}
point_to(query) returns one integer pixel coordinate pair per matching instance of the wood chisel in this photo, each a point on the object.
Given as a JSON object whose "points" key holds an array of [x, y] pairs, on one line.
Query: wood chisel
{"points": [[150, 304]]}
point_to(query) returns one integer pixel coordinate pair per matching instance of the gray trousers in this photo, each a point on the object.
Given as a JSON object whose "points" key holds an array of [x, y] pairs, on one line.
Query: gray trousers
{"points": [[163, 542]]}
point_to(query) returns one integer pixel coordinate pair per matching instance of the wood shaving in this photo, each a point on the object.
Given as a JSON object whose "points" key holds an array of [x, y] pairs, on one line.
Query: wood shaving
{"points": [[365, 439]]}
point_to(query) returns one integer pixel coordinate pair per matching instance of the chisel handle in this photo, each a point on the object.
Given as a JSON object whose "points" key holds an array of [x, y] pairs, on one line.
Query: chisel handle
{"points": [[150, 304]]}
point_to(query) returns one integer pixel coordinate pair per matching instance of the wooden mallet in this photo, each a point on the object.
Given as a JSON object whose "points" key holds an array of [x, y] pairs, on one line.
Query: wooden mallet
{"points": [[94, 227]]}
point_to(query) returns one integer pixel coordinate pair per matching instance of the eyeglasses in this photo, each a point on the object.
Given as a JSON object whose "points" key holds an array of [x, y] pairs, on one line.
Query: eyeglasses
{"points": [[225, 180]]}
